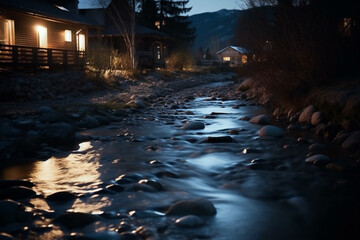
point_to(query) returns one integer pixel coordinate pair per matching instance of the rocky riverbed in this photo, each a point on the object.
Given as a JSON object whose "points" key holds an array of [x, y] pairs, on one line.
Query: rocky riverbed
{"points": [[187, 157]]}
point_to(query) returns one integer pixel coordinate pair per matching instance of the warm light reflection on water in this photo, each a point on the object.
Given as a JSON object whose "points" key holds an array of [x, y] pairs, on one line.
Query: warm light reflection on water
{"points": [[76, 173]]}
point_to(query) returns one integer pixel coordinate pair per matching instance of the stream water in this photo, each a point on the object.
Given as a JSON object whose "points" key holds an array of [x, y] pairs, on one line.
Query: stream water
{"points": [[260, 189]]}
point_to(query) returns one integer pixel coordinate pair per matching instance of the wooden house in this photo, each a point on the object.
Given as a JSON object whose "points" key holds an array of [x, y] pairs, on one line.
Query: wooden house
{"points": [[42, 34], [113, 19], [234, 56]]}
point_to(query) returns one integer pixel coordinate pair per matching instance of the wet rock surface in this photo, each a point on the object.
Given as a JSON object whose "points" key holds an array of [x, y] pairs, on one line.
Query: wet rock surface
{"points": [[140, 175]]}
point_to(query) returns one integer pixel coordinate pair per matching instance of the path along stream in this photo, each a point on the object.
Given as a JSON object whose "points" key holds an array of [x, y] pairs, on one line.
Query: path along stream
{"points": [[260, 189]]}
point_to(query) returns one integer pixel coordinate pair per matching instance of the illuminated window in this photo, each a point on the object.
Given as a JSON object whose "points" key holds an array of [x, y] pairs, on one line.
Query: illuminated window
{"points": [[68, 36], [7, 35], [226, 59], [80, 39], [42, 36], [157, 24], [347, 27], [244, 59], [158, 50]]}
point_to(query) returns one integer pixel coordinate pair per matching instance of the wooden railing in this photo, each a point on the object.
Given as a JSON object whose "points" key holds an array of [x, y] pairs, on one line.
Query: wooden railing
{"points": [[20, 57]]}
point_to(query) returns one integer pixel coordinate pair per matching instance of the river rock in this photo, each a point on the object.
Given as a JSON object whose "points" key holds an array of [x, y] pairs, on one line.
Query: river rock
{"points": [[58, 134], [5, 236], [221, 139], [317, 147], [52, 117], [137, 103], [189, 112], [328, 131], [189, 221], [198, 207], [62, 196], [25, 124], [270, 131], [147, 233], [152, 183], [341, 136], [76, 219], [115, 187], [194, 125], [4, 183], [129, 178], [9, 211], [166, 174], [352, 142], [316, 118], [318, 159], [146, 214], [306, 114], [129, 236], [45, 109], [9, 131], [17, 192], [260, 119], [91, 122]]}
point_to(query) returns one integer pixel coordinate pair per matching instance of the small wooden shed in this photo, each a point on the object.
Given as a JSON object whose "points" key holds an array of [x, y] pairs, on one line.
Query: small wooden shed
{"points": [[233, 55]]}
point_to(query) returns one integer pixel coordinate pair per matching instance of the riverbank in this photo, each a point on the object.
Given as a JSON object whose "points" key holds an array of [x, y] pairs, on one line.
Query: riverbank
{"points": [[331, 112], [49, 109]]}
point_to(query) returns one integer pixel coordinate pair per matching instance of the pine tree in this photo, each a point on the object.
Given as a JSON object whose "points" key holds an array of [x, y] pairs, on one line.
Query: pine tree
{"points": [[173, 20], [147, 13], [168, 16]]}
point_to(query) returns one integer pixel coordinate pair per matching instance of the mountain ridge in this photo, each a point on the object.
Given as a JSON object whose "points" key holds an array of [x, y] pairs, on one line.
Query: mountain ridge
{"points": [[214, 30]]}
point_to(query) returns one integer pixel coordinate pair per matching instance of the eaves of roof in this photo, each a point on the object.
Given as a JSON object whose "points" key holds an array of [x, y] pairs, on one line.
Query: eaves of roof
{"points": [[43, 9]]}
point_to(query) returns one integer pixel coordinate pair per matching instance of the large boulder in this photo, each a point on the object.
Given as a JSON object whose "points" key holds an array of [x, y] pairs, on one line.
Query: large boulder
{"points": [[198, 207], [306, 114], [9, 131], [270, 131], [73, 220], [189, 221], [194, 125], [59, 134], [317, 118], [17, 192], [9, 211], [52, 117], [352, 142], [319, 160], [260, 119]]}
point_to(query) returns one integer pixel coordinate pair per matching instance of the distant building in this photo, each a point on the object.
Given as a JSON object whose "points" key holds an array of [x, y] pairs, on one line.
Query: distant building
{"points": [[150, 44], [233, 55], [42, 34]]}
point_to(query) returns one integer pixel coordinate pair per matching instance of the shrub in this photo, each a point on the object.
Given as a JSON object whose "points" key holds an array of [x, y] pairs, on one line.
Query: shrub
{"points": [[179, 60]]}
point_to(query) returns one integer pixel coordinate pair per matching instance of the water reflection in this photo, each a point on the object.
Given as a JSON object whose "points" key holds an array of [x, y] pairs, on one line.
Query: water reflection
{"points": [[76, 173]]}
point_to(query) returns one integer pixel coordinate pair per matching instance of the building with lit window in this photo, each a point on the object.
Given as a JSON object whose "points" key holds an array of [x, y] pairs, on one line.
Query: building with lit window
{"points": [[42, 34], [113, 26], [234, 56]]}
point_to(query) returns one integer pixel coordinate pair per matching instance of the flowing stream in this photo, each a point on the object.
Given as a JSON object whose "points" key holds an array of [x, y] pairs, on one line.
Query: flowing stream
{"points": [[260, 189]]}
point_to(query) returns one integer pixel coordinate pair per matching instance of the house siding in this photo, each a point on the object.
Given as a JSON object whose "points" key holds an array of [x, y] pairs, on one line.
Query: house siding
{"points": [[26, 35]]}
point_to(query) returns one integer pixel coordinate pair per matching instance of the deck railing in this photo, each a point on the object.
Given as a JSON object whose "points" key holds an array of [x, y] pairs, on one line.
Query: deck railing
{"points": [[29, 57]]}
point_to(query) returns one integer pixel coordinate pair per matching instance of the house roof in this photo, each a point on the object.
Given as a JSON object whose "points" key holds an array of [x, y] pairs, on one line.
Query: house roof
{"points": [[43, 9], [238, 49]]}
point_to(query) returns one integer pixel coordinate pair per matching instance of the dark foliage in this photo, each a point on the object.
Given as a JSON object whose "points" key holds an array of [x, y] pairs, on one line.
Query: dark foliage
{"points": [[168, 16], [301, 44]]}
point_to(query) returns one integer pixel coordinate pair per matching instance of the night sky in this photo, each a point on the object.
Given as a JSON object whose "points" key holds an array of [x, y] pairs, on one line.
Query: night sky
{"points": [[198, 6]]}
